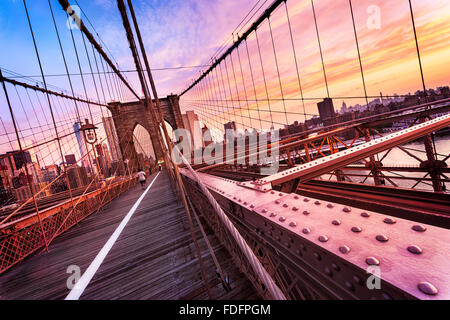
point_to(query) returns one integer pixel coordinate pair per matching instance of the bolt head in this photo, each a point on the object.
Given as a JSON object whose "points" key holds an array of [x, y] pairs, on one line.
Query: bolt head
{"points": [[336, 222], [419, 228], [372, 261], [344, 249], [415, 249], [382, 238], [389, 220], [427, 288]]}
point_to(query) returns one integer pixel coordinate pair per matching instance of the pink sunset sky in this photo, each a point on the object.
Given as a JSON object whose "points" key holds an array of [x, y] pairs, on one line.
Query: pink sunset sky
{"points": [[185, 33]]}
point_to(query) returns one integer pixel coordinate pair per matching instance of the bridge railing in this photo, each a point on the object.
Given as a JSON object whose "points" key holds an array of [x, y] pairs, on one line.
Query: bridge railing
{"points": [[24, 236]]}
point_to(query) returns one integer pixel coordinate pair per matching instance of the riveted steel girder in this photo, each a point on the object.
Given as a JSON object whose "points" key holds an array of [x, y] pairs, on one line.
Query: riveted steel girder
{"points": [[319, 249]]}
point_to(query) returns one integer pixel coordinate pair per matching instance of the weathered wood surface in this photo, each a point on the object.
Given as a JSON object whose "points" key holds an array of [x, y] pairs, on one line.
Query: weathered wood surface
{"points": [[153, 258]]}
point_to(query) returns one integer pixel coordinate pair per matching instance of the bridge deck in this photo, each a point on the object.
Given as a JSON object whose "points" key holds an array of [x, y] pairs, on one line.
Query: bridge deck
{"points": [[153, 258]]}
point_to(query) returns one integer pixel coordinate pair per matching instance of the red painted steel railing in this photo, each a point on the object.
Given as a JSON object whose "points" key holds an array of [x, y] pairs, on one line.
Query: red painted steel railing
{"points": [[22, 237]]}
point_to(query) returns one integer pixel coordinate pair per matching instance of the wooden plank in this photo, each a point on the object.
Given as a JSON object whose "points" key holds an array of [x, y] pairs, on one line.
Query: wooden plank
{"points": [[153, 258]]}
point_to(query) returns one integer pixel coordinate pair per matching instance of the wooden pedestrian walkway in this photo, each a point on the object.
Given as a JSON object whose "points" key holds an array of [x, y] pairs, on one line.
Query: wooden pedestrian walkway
{"points": [[153, 257]]}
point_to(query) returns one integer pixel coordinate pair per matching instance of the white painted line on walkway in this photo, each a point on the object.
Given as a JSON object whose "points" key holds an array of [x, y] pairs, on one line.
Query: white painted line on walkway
{"points": [[81, 284]]}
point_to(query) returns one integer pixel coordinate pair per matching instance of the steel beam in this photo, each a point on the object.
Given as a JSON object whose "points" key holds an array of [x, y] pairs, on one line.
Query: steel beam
{"points": [[338, 160], [65, 5], [319, 249]]}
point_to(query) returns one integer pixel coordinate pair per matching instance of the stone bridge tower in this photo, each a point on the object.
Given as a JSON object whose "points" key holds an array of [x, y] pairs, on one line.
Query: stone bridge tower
{"points": [[127, 115]]}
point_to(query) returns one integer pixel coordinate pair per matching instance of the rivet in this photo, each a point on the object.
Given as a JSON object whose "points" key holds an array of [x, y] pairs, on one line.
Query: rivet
{"points": [[293, 224], [427, 288], [273, 214], [294, 209], [296, 197], [272, 192], [336, 222], [298, 252], [282, 219], [317, 202], [344, 249], [264, 211], [252, 206], [330, 205], [358, 280], [372, 261], [349, 285], [335, 267], [245, 202], [280, 194], [356, 229], [382, 238], [306, 230], [277, 201], [328, 271], [346, 209], [365, 214], [306, 212], [415, 249], [386, 296], [317, 256], [306, 200], [323, 238], [285, 205], [419, 227], [389, 220]]}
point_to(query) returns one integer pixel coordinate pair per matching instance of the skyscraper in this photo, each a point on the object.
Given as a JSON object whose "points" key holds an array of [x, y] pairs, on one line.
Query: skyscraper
{"points": [[111, 136], [192, 123], [81, 144], [326, 111]]}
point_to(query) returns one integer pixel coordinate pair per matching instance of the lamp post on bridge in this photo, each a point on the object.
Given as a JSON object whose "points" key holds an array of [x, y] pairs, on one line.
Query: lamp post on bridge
{"points": [[90, 136]]}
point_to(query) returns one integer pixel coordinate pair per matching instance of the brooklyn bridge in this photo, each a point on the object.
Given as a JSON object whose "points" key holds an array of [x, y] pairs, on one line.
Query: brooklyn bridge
{"points": [[305, 157]]}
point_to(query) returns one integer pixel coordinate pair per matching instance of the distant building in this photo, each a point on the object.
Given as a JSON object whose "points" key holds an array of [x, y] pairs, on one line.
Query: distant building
{"points": [[204, 130], [111, 137], [35, 172], [326, 111], [50, 173], [77, 177], [18, 159], [70, 159], [293, 128], [230, 125], [192, 123], [81, 143]]}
